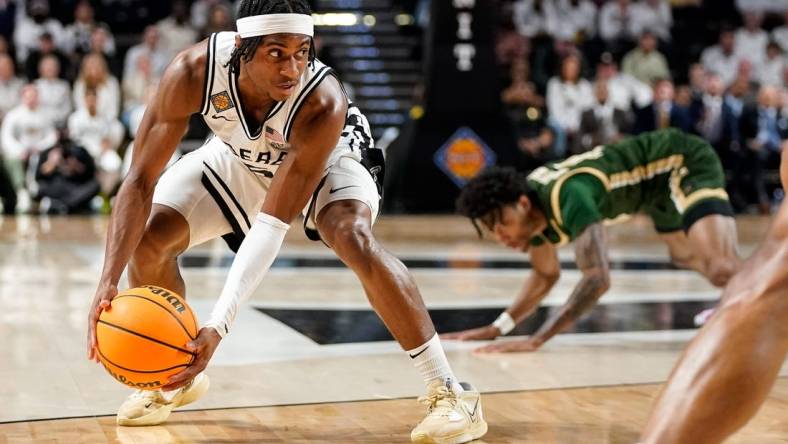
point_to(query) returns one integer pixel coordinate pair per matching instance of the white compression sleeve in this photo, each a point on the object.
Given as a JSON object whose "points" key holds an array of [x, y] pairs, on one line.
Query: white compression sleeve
{"points": [[251, 263]]}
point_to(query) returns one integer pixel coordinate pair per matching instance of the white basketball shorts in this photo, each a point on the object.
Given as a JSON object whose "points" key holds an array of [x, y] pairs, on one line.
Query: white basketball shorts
{"points": [[218, 195]]}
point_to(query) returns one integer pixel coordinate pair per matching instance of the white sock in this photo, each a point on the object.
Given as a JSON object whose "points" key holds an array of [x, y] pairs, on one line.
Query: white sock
{"points": [[431, 361]]}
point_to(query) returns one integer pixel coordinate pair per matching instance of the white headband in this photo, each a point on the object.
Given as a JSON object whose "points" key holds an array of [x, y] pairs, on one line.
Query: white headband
{"points": [[258, 25]]}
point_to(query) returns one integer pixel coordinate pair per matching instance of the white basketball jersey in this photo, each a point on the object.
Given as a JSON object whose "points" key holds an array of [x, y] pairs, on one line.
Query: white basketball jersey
{"points": [[263, 149]]}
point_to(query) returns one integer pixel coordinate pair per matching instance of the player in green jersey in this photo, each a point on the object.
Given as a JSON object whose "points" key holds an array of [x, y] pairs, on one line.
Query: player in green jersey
{"points": [[674, 178]]}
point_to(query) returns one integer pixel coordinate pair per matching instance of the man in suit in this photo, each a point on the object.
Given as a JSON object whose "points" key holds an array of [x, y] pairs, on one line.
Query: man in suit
{"points": [[603, 123], [664, 112]]}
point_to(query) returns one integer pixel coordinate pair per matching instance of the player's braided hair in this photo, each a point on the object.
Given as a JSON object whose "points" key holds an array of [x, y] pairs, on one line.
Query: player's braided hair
{"points": [[249, 8], [488, 192]]}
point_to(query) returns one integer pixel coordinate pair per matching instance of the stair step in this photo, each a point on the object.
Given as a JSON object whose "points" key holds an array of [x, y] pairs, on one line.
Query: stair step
{"points": [[384, 91], [381, 78], [365, 5], [371, 52], [377, 65], [383, 104], [369, 40]]}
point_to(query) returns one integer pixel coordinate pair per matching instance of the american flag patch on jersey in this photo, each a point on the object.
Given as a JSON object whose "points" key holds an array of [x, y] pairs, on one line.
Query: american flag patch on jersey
{"points": [[273, 136]]}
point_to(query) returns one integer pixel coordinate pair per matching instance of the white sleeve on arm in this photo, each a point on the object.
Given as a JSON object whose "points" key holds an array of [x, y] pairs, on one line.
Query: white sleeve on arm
{"points": [[251, 263]]}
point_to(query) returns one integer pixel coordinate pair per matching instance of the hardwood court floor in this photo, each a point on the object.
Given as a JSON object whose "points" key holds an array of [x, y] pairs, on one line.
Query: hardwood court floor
{"points": [[587, 415]]}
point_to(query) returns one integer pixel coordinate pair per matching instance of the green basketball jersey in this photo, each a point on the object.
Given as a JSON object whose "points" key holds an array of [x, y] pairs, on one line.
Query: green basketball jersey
{"points": [[661, 173]]}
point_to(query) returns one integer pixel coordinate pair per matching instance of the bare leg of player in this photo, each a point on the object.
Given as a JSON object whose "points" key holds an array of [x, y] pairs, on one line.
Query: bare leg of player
{"points": [[155, 260], [346, 226], [726, 372], [455, 412]]}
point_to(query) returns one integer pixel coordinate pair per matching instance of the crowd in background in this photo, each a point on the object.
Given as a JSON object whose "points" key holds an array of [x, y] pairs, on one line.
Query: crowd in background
{"points": [[583, 73], [71, 95]]}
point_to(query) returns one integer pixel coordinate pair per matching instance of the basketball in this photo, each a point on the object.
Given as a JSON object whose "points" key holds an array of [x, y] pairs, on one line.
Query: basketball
{"points": [[142, 337]]}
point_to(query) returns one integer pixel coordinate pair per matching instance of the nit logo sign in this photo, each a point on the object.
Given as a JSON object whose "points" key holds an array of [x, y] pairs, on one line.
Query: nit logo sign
{"points": [[463, 156]]}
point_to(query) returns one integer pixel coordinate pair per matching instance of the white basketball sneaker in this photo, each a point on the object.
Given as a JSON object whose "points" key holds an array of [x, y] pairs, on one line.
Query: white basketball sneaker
{"points": [[152, 407], [451, 418]]}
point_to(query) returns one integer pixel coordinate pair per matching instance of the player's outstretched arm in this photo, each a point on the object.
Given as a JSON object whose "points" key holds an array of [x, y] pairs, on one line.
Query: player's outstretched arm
{"points": [[546, 269], [315, 134], [591, 257], [164, 124]]}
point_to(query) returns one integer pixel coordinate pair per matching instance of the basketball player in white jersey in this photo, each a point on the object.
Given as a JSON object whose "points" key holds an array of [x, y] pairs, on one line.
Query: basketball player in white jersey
{"points": [[286, 140], [727, 371]]}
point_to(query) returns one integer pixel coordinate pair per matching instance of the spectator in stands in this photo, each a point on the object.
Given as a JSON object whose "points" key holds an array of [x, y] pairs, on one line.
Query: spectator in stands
{"points": [[219, 19], [66, 179], [176, 31], [10, 85], [654, 16], [26, 131], [645, 63], [763, 128], [151, 47], [715, 119], [664, 112], [577, 18], [54, 92], [751, 40], [521, 92], [78, 35], [772, 68], [46, 46], [136, 86], [739, 94], [101, 43], [534, 17], [510, 45], [101, 136], [94, 74], [697, 81], [201, 12], [780, 34], [721, 58], [618, 25], [603, 123], [567, 96], [30, 27], [623, 90]]}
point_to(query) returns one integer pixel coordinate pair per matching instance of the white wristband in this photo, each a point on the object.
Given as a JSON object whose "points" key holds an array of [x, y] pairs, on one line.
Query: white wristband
{"points": [[251, 263], [504, 323]]}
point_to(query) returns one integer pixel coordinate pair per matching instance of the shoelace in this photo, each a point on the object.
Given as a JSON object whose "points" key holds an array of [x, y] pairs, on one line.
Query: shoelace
{"points": [[441, 396]]}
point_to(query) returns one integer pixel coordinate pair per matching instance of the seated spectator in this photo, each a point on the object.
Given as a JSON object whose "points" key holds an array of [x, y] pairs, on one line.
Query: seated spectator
{"points": [[151, 47], [645, 63], [66, 179], [739, 94], [697, 81], [533, 17], [10, 85], [219, 20], [26, 131], [510, 45], [751, 40], [521, 92], [536, 138], [664, 112], [780, 34], [763, 128], [136, 86], [46, 46], [773, 66], [603, 123], [94, 74], [30, 26], [54, 92], [176, 32], [624, 91], [567, 96], [100, 44], [78, 35], [618, 25], [101, 136], [721, 58], [201, 12], [577, 18], [654, 16]]}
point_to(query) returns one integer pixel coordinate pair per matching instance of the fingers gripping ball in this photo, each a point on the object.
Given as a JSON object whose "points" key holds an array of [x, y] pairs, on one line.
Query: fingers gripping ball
{"points": [[142, 337]]}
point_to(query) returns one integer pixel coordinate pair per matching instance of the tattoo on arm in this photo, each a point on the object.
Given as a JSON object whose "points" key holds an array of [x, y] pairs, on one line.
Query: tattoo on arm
{"points": [[591, 258]]}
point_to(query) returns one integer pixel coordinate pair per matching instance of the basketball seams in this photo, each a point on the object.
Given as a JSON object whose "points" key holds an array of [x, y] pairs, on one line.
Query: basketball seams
{"points": [[160, 342], [103, 357], [186, 330]]}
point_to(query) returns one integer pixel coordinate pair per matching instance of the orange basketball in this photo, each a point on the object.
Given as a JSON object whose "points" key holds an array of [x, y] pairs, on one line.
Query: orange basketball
{"points": [[142, 337]]}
